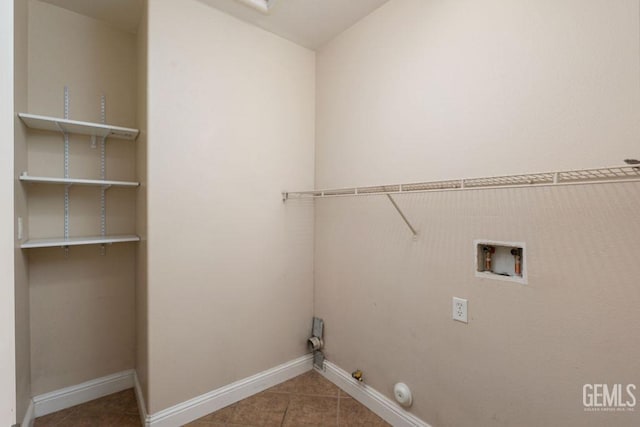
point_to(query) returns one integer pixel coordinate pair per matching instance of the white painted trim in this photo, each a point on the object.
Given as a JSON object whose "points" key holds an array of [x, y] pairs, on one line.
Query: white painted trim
{"points": [[70, 396], [7, 239], [200, 406], [142, 407], [381, 405], [29, 416]]}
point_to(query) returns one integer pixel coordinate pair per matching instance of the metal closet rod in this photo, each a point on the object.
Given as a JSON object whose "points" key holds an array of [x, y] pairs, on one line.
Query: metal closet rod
{"points": [[605, 175]]}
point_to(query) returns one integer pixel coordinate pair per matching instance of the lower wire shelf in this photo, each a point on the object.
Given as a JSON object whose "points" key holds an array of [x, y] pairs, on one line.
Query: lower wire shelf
{"points": [[77, 241]]}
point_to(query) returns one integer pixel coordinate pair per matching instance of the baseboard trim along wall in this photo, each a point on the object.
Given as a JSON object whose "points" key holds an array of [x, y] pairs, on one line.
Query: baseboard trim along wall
{"points": [[29, 416], [200, 406], [64, 398], [142, 407], [207, 403], [381, 405]]}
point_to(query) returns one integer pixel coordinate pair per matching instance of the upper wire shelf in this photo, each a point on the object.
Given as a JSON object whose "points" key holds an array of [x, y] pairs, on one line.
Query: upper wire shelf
{"points": [[624, 173], [77, 241], [77, 181], [34, 121]]}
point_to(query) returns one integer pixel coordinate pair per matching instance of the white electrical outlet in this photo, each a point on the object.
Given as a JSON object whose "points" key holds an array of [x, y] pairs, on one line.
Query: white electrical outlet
{"points": [[20, 229], [460, 309]]}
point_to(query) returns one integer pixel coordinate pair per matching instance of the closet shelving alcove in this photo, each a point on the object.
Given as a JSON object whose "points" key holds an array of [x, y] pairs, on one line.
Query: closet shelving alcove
{"points": [[96, 131]]}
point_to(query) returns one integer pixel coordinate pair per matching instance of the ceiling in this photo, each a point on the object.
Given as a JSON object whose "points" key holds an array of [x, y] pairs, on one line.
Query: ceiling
{"points": [[122, 14], [310, 23]]}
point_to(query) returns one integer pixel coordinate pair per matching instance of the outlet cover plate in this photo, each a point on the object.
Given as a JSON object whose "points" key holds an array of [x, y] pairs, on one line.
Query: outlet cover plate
{"points": [[460, 309]]}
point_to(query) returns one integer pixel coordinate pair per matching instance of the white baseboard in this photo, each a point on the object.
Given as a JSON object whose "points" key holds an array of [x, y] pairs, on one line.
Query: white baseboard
{"points": [[142, 407], [200, 406], [70, 396], [29, 416], [381, 405]]}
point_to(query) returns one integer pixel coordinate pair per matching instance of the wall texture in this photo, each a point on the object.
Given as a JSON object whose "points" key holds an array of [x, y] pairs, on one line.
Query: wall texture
{"points": [[424, 90], [142, 344], [23, 328], [528, 349], [83, 306], [231, 124]]}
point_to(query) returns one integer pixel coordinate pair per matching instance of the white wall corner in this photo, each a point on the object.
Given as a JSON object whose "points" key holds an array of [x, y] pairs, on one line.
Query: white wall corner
{"points": [[207, 403], [381, 405], [29, 416], [7, 291], [142, 407]]}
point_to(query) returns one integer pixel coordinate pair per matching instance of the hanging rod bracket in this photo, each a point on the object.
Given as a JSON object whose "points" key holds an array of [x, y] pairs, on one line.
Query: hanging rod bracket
{"points": [[404, 218]]}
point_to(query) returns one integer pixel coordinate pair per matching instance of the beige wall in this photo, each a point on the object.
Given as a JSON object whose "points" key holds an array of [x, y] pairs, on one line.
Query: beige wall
{"points": [[424, 89], [142, 362], [83, 306], [7, 291], [416, 91], [528, 349], [23, 332], [231, 124], [82, 315]]}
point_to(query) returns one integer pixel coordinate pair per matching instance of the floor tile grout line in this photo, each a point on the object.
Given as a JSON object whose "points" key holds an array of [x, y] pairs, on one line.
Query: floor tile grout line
{"points": [[332, 396], [307, 394], [338, 409], [284, 416]]}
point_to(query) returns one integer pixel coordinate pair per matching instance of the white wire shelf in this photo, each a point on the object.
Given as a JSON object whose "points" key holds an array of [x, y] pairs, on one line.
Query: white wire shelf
{"points": [[626, 173], [77, 241], [77, 181], [55, 124]]}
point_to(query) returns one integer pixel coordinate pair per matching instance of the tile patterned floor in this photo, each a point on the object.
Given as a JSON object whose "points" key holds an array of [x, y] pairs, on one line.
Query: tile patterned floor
{"points": [[305, 401], [116, 410]]}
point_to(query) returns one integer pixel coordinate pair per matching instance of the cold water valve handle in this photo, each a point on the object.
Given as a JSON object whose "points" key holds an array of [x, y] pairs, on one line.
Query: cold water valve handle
{"points": [[518, 261]]}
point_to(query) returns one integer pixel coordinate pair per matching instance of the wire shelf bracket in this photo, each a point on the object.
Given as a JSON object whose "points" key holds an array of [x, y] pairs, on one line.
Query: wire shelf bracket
{"points": [[66, 167], [103, 174], [404, 217]]}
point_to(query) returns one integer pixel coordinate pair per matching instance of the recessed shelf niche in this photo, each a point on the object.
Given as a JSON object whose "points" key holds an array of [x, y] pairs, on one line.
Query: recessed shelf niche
{"points": [[500, 260]]}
